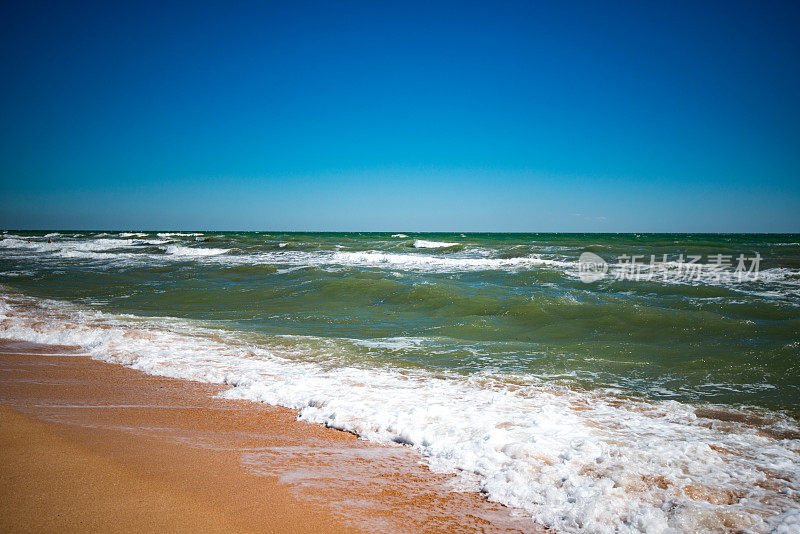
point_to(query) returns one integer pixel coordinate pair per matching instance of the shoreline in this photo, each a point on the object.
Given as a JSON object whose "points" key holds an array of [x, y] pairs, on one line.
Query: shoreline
{"points": [[89, 444]]}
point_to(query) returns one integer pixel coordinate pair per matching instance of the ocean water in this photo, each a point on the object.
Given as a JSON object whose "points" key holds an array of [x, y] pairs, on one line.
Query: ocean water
{"points": [[663, 397]]}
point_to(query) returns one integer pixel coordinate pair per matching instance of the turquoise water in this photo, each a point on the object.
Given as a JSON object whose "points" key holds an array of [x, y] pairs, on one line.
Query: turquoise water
{"points": [[470, 303]]}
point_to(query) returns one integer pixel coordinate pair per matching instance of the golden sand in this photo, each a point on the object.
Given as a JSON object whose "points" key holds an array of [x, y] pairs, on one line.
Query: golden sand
{"points": [[86, 445]]}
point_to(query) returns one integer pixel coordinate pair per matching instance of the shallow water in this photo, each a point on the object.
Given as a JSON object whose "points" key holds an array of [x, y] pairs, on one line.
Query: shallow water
{"points": [[617, 405]]}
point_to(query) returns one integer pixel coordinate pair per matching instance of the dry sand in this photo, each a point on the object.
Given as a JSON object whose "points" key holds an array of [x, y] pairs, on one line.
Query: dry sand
{"points": [[86, 445]]}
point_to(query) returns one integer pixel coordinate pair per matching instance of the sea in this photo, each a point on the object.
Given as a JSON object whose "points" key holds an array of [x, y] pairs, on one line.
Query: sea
{"points": [[594, 382]]}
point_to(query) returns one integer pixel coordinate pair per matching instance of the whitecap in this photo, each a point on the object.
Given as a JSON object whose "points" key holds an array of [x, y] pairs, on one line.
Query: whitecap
{"points": [[178, 234], [178, 250], [422, 243]]}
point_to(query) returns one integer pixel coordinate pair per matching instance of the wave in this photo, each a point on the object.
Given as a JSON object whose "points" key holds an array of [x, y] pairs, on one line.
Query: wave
{"points": [[92, 245], [402, 236], [289, 245], [422, 243], [777, 282], [434, 263], [192, 252], [575, 461], [178, 234], [705, 274]]}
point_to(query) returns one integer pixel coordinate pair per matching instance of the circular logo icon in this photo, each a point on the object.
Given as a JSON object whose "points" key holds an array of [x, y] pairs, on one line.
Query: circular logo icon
{"points": [[591, 267]]}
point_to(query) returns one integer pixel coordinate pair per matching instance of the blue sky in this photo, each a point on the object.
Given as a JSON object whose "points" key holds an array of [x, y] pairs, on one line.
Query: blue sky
{"points": [[494, 116]]}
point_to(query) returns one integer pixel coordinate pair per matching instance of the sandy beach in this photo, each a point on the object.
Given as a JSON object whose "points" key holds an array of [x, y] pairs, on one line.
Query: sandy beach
{"points": [[400, 268], [87, 445]]}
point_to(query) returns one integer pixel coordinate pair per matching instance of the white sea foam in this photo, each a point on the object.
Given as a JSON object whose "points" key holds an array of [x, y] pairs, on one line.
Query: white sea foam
{"points": [[178, 234], [399, 235], [786, 523], [422, 243], [105, 244], [295, 259], [780, 283], [178, 250], [91, 245], [433, 263], [575, 461], [17, 273]]}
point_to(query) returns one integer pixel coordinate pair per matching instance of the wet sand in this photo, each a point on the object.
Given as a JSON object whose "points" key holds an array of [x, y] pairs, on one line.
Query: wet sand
{"points": [[86, 445]]}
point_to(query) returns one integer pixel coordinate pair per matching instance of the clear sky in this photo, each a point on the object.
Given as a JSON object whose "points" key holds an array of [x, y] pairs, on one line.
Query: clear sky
{"points": [[464, 116]]}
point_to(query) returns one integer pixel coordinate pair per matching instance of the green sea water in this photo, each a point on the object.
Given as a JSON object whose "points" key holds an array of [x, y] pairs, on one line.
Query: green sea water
{"points": [[509, 304]]}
